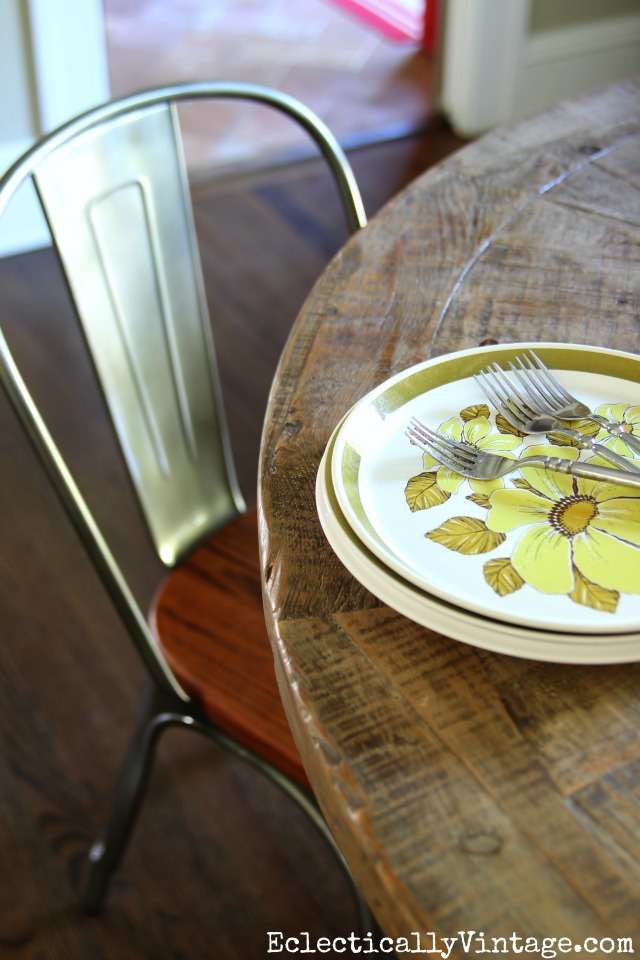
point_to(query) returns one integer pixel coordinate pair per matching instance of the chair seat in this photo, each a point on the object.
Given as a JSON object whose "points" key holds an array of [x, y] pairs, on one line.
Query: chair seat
{"points": [[209, 621]]}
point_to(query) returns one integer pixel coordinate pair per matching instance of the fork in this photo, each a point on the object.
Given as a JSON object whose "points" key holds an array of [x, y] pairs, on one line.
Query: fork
{"points": [[517, 411], [547, 395], [471, 462]]}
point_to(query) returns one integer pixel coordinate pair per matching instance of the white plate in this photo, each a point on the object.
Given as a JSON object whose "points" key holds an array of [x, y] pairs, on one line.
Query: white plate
{"points": [[447, 619], [373, 462]]}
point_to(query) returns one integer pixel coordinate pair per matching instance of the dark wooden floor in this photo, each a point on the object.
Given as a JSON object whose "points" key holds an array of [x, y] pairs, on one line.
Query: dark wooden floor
{"points": [[218, 858]]}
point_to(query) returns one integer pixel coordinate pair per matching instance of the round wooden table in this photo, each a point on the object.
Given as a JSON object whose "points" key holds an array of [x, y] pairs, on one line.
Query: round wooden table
{"points": [[469, 791]]}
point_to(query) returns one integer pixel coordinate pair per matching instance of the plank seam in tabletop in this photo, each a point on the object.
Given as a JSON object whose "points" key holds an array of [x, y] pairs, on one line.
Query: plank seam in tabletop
{"points": [[486, 244]]}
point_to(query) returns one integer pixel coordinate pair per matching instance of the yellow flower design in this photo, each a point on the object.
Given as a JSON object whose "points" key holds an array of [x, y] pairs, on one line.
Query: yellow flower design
{"points": [[572, 525], [477, 433], [628, 417]]}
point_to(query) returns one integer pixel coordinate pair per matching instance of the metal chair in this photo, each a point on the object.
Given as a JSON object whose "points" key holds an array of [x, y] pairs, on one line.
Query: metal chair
{"points": [[114, 189]]}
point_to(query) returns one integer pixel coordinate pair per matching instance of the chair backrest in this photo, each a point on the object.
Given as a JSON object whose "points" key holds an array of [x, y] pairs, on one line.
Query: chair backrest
{"points": [[114, 189], [114, 197]]}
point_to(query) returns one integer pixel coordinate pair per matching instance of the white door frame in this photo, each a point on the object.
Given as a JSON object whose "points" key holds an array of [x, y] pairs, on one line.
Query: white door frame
{"points": [[61, 49], [482, 50]]}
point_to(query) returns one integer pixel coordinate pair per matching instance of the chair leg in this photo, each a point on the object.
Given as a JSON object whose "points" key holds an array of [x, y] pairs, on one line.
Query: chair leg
{"points": [[159, 710], [107, 851], [307, 803], [365, 920]]}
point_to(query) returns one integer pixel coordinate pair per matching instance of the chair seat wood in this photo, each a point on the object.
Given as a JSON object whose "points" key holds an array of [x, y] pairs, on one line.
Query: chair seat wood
{"points": [[209, 620]]}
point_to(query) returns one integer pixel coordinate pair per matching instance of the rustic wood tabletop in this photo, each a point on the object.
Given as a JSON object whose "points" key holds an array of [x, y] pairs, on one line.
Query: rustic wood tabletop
{"points": [[469, 790]]}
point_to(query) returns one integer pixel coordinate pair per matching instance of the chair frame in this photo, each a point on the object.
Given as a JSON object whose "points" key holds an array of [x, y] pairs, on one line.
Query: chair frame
{"points": [[165, 703], [16, 389]]}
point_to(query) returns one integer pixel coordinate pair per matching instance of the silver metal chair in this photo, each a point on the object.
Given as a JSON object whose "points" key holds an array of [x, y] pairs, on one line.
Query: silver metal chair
{"points": [[114, 189]]}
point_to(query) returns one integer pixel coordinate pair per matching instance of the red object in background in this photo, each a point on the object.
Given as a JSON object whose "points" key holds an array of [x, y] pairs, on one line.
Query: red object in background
{"points": [[397, 20], [431, 33]]}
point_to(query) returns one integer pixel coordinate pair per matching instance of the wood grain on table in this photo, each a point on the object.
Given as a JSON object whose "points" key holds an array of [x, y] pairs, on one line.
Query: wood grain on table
{"points": [[468, 790]]}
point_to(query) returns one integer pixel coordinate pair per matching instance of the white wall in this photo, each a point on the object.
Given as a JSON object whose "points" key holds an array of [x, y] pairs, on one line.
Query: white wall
{"points": [[496, 68], [553, 14], [569, 60], [53, 64]]}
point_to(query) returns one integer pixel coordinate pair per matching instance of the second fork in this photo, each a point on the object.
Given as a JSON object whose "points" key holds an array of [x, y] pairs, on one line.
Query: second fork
{"points": [[512, 404], [469, 461]]}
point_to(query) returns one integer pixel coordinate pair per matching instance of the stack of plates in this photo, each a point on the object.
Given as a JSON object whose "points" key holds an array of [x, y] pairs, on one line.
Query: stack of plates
{"points": [[431, 554]]}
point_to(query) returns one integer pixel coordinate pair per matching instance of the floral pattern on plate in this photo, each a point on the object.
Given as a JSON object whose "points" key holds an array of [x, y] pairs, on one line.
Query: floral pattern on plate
{"points": [[558, 534]]}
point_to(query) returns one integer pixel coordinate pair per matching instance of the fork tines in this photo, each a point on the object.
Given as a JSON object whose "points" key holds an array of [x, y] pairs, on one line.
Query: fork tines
{"points": [[532, 372], [495, 384], [444, 449], [526, 396]]}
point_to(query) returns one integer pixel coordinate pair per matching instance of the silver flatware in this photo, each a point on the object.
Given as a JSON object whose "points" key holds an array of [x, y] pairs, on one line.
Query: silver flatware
{"points": [[547, 395], [481, 465], [510, 400]]}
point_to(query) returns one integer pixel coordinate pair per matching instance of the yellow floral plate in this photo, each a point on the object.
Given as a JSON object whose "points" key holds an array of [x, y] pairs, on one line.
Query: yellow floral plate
{"points": [[536, 548], [447, 619]]}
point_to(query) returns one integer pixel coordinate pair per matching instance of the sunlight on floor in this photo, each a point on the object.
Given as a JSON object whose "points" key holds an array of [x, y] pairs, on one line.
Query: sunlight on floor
{"points": [[362, 85]]}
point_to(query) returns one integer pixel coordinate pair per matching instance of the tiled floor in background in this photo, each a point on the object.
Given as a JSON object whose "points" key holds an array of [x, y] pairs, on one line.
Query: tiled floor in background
{"points": [[361, 84]]}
